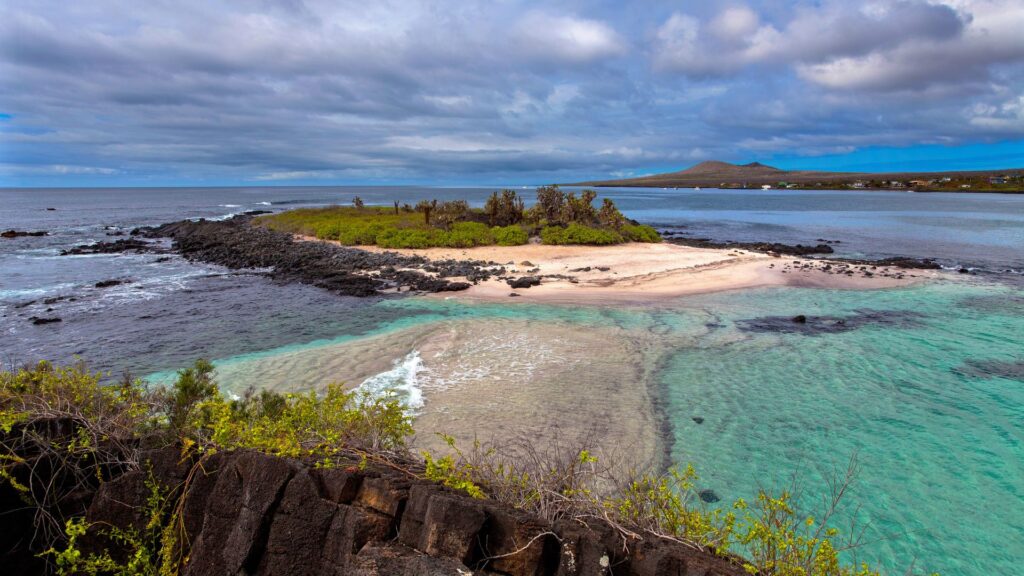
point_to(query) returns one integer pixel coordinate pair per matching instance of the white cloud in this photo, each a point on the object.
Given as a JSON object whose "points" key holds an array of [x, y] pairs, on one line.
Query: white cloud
{"points": [[1008, 117], [64, 169], [902, 45], [735, 25], [994, 35], [567, 38]]}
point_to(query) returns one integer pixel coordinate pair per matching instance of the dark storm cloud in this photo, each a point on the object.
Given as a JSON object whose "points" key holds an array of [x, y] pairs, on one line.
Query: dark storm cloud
{"points": [[167, 92]]}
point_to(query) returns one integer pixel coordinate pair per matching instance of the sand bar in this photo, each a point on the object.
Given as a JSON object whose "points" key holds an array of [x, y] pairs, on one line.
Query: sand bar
{"points": [[648, 273]]}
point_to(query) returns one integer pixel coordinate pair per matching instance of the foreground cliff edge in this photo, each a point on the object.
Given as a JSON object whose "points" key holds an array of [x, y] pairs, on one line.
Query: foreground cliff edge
{"points": [[114, 478]]}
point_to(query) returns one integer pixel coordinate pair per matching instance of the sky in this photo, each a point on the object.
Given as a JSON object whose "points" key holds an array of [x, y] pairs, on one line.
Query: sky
{"points": [[289, 92]]}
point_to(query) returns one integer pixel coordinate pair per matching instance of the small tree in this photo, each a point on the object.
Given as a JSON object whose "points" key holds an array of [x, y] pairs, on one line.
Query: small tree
{"points": [[448, 213], [506, 209], [550, 202], [427, 208], [609, 215], [357, 202]]}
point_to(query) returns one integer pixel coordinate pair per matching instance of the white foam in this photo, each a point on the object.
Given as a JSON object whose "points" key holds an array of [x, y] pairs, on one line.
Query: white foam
{"points": [[264, 203], [230, 205], [401, 382]]}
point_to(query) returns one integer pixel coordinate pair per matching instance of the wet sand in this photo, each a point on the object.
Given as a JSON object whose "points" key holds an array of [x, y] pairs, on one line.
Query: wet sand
{"points": [[498, 379]]}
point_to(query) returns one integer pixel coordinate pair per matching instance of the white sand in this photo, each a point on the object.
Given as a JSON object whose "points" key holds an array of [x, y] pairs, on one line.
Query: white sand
{"points": [[639, 273]]}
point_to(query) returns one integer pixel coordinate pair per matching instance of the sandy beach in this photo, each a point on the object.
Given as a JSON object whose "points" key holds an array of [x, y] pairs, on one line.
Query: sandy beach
{"points": [[647, 273]]}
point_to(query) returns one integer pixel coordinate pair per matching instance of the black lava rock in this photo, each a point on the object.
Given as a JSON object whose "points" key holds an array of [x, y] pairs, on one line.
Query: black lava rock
{"points": [[37, 320], [19, 233], [237, 243], [524, 282]]}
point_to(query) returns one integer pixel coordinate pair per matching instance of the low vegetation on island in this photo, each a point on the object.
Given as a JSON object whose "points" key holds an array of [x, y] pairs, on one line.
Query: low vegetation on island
{"points": [[63, 429], [557, 217]]}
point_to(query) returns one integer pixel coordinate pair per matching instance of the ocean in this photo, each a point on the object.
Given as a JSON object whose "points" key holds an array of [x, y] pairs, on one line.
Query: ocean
{"points": [[923, 385]]}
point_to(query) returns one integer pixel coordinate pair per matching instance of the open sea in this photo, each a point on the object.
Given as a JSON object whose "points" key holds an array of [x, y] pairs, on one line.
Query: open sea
{"points": [[924, 385]]}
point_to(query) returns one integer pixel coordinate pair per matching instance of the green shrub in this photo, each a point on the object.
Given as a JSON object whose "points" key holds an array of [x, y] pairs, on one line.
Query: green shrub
{"points": [[513, 235], [411, 238], [469, 234], [194, 385], [302, 425], [579, 234], [327, 230], [360, 234], [640, 233]]}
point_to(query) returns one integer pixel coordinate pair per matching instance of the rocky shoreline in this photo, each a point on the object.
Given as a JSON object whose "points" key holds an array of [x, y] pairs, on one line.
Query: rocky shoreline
{"points": [[237, 244], [245, 512]]}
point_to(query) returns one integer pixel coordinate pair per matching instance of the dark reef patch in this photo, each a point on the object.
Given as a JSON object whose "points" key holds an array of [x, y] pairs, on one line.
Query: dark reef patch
{"points": [[1008, 369], [709, 496], [1008, 304], [817, 325]]}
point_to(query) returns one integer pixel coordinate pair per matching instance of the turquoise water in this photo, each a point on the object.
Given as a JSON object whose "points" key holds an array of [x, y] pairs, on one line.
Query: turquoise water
{"points": [[940, 447], [922, 384]]}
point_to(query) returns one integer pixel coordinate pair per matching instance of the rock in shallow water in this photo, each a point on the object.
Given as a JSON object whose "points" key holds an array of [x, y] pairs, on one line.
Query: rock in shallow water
{"points": [[708, 496], [38, 321], [19, 233]]}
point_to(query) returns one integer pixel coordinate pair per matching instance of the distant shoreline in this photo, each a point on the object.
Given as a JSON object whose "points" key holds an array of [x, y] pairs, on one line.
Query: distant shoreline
{"points": [[801, 189], [723, 175]]}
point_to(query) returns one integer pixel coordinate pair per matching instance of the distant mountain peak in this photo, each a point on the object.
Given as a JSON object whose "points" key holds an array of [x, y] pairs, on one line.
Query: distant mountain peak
{"points": [[709, 167], [759, 165]]}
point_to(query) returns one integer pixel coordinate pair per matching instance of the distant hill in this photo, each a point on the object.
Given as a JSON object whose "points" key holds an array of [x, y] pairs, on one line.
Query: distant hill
{"points": [[713, 173], [714, 168]]}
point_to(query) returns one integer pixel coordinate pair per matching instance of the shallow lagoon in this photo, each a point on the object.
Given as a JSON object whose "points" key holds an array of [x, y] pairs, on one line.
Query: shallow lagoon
{"points": [[939, 442]]}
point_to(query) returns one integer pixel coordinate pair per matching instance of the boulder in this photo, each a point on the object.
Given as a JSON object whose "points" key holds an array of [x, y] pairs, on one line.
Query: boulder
{"points": [[524, 281]]}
